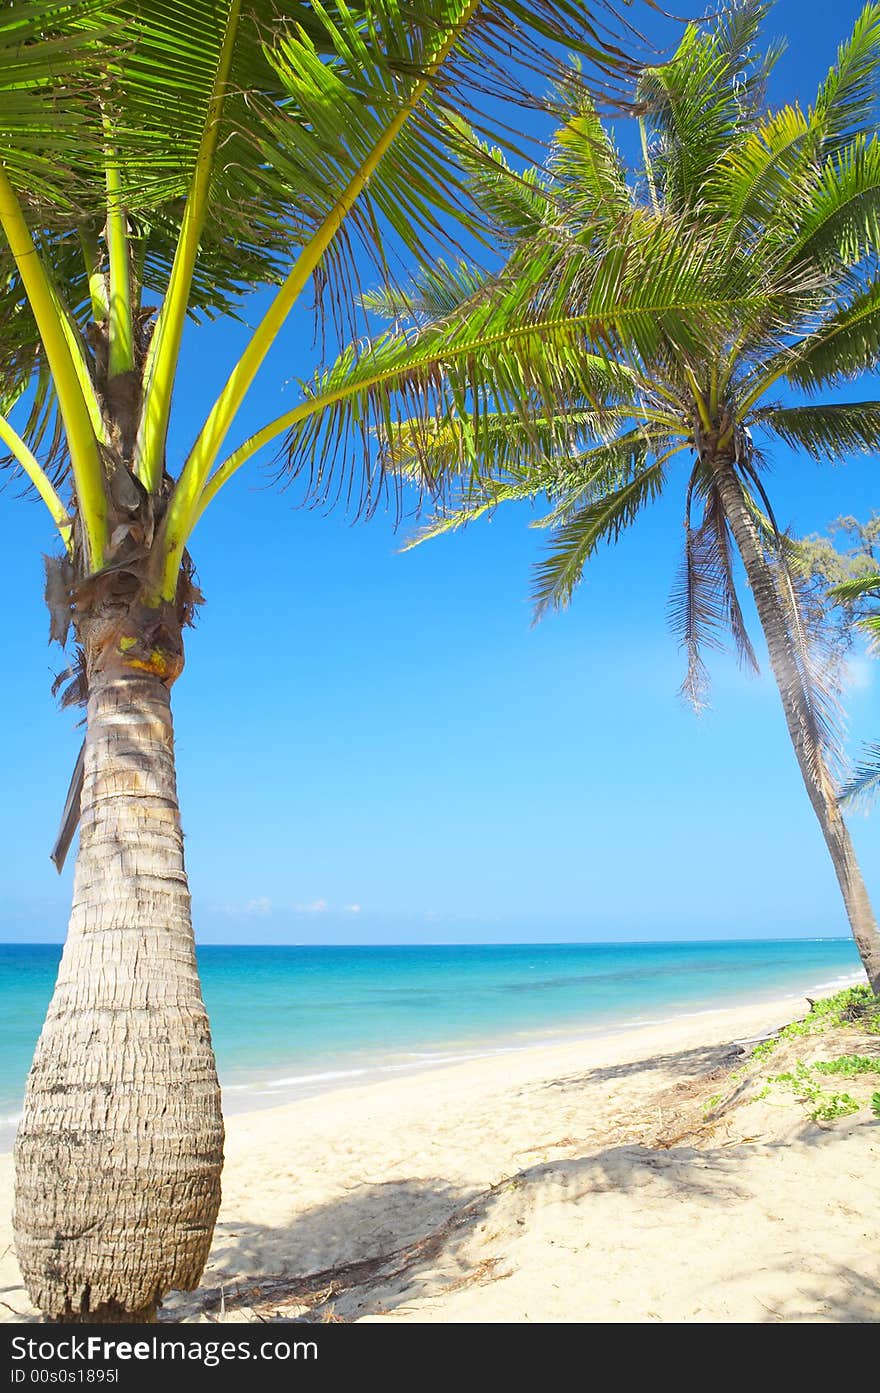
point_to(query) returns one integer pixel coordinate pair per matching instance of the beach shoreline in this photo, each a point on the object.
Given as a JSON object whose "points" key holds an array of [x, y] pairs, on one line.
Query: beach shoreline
{"points": [[240, 1100], [350, 1174], [746, 1023], [313, 1029], [245, 1098], [259, 1096]]}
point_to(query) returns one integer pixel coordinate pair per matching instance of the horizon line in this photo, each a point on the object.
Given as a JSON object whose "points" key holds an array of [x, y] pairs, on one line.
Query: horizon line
{"points": [[487, 943]]}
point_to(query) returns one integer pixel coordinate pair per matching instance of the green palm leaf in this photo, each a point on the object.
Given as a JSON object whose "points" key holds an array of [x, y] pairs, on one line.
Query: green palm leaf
{"points": [[588, 173], [851, 593], [48, 98], [475, 502], [515, 204], [844, 345], [575, 541], [497, 442], [762, 175], [435, 292], [833, 431], [841, 219], [846, 105], [704, 607], [699, 99], [863, 786], [744, 256], [525, 342], [860, 587]]}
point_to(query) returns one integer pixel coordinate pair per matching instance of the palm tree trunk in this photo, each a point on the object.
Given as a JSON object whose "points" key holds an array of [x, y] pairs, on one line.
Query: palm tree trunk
{"points": [[119, 1151], [817, 779]]}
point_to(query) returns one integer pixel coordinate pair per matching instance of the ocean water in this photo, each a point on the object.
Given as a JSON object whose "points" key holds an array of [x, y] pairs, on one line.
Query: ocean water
{"points": [[290, 1021]]}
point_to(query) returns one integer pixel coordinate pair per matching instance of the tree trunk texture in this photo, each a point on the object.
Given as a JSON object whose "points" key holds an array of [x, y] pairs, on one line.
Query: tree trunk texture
{"points": [[819, 784], [120, 1147]]}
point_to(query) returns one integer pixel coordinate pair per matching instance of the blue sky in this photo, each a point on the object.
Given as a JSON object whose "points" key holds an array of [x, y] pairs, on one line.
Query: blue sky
{"points": [[377, 747]]}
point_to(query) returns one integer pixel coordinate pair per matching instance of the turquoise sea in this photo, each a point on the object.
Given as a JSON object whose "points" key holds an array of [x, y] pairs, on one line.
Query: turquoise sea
{"points": [[289, 1021]]}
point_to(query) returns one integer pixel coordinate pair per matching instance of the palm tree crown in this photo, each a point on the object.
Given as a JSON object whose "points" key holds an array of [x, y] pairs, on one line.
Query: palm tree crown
{"points": [[159, 161], [768, 220]]}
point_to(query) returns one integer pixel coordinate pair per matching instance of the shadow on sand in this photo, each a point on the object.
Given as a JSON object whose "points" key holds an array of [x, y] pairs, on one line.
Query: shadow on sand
{"points": [[414, 1239], [682, 1064]]}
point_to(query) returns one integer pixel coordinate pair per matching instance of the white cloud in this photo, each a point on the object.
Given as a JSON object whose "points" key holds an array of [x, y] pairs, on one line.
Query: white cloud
{"points": [[259, 907], [250, 909], [316, 907], [858, 674], [352, 909]]}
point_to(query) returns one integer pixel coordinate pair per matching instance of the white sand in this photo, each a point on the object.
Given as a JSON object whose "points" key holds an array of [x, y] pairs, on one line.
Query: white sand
{"points": [[598, 1223]]}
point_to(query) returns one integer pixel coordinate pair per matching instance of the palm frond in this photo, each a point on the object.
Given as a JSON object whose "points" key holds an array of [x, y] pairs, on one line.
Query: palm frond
{"points": [[851, 595], [588, 172], [699, 99], [840, 220], [815, 666], [859, 588], [429, 381], [435, 292], [570, 325], [704, 607], [48, 98], [846, 105], [733, 614], [516, 205], [844, 345], [870, 625], [863, 785], [591, 474], [738, 29], [831, 432], [309, 87], [695, 613], [761, 175], [574, 542], [527, 467], [475, 501], [504, 441]]}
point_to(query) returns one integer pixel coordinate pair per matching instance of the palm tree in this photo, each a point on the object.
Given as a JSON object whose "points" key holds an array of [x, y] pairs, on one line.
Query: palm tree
{"points": [[640, 320], [181, 155]]}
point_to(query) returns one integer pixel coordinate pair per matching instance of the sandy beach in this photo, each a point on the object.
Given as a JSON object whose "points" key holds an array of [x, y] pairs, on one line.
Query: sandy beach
{"points": [[587, 1181]]}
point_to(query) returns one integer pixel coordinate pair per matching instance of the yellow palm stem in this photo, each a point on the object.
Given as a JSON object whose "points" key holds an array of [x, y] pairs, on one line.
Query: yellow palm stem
{"points": [[84, 454]]}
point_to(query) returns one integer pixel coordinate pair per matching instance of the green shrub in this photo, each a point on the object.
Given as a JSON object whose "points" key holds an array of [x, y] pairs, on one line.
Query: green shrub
{"points": [[852, 1006], [824, 1107], [849, 1065]]}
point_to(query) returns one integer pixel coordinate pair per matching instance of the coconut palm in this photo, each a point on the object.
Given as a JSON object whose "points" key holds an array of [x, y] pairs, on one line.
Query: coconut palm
{"points": [[157, 162], [568, 376]]}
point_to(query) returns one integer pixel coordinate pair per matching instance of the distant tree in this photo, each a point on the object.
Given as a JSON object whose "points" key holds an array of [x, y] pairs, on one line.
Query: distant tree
{"points": [[850, 575], [849, 551]]}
